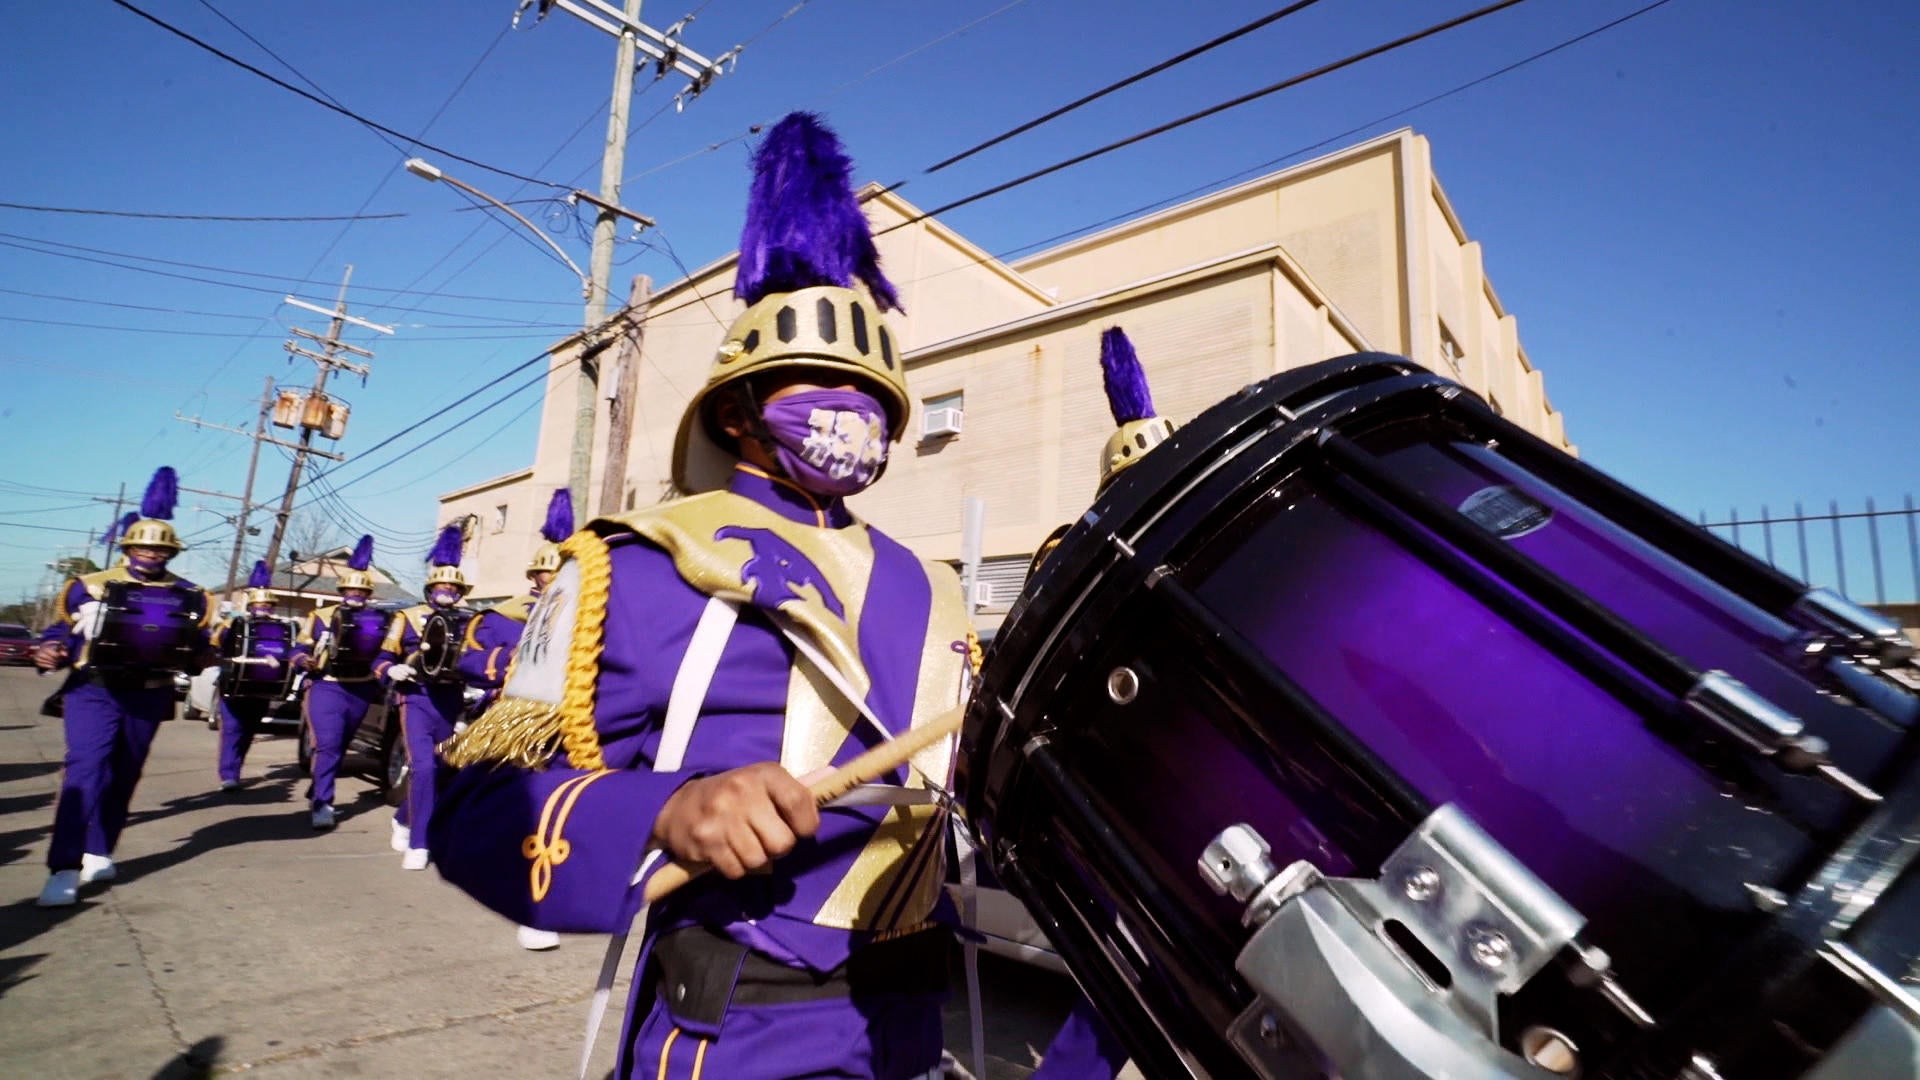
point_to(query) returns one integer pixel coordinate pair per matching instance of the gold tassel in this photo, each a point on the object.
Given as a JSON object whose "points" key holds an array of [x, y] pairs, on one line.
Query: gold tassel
{"points": [[512, 731]]}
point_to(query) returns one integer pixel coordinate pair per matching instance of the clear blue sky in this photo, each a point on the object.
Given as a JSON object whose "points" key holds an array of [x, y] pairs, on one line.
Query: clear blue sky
{"points": [[1704, 219]]}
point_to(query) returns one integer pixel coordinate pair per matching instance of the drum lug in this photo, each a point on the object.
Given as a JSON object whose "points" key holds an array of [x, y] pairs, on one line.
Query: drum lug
{"points": [[1403, 972], [1865, 635], [1769, 730]]}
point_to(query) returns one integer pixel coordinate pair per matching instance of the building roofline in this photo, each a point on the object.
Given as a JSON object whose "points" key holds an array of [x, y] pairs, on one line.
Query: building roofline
{"points": [[1221, 266], [513, 477], [1396, 138]]}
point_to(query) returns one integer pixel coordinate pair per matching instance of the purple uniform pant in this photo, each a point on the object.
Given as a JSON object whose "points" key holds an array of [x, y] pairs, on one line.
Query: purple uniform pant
{"points": [[109, 732], [1084, 1049], [239, 723], [426, 721], [334, 711], [885, 1037]]}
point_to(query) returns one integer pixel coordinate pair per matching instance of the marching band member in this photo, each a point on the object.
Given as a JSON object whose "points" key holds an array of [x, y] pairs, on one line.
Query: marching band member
{"points": [[240, 716], [428, 710], [1085, 1048], [111, 713], [691, 659], [494, 634], [341, 693]]}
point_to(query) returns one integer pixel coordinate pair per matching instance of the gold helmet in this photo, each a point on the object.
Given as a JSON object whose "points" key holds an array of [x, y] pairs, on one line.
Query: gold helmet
{"points": [[557, 527], [257, 584], [1131, 402], [805, 244], [444, 560], [357, 575], [154, 527]]}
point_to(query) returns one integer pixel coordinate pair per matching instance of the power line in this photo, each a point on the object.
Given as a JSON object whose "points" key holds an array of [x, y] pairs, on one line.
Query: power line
{"points": [[1175, 61], [238, 334], [325, 104], [151, 215], [1161, 129]]}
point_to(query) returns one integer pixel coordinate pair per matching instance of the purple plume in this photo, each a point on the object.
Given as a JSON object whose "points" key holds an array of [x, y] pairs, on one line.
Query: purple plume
{"points": [[804, 225], [559, 523], [261, 576], [362, 556], [115, 528], [163, 491], [446, 549], [1127, 392]]}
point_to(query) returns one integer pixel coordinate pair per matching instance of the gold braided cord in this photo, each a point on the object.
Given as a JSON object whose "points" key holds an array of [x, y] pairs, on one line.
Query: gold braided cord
{"points": [[513, 731], [577, 732], [976, 656], [544, 853]]}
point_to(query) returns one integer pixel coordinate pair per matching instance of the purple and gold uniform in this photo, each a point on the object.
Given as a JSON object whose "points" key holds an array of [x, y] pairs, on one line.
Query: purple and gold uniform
{"points": [[240, 717], [111, 713], [428, 710], [338, 698], [110, 722], [491, 638], [555, 844]]}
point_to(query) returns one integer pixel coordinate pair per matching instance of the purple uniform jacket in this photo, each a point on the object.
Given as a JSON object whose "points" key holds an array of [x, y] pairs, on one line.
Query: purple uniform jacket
{"points": [[90, 587], [312, 629], [403, 637], [556, 848], [491, 638]]}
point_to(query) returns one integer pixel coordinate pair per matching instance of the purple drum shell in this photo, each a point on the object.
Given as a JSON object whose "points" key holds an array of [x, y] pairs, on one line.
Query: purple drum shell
{"points": [[147, 626], [265, 639], [358, 636]]}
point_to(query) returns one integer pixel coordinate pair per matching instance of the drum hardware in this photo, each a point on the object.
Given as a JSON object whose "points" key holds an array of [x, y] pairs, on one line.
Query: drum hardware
{"points": [[1123, 685], [1628, 658], [1862, 634], [1766, 899], [1701, 1067], [1338, 959]]}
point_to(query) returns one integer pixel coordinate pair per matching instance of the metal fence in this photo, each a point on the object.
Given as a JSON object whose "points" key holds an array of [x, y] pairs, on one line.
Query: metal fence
{"points": [[1856, 553]]}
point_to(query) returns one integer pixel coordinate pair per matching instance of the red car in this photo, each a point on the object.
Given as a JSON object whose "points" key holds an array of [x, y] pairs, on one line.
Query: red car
{"points": [[16, 644]]}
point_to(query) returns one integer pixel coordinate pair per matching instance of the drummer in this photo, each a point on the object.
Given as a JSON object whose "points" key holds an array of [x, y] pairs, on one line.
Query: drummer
{"points": [[110, 717], [1085, 1047], [428, 710], [240, 715], [336, 703]]}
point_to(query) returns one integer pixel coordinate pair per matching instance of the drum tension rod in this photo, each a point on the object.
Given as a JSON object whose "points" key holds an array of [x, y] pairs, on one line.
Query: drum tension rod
{"points": [[1450, 541]]}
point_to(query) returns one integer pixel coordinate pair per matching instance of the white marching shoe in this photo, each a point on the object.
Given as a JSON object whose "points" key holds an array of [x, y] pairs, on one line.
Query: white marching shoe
{"points": [[97, 868], [323, 817], [229, 785], [538, 940], [402, 836], [62, 889], [414, 859]]}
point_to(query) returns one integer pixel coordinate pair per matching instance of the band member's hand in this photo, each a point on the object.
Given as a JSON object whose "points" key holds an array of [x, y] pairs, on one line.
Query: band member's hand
{"points": [[49, 656], [270, 663], [401, 673], [303, 662], [737, 821]]}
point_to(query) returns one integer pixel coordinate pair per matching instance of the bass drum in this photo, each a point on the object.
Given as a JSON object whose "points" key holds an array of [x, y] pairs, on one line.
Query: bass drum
{"points": [[148, 627], [1358, 731], [442, 637], [354, 640], [251, 641]]}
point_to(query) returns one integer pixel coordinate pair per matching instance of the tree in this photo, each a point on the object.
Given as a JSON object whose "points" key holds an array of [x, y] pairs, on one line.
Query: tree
{"points": [[312, 534]]}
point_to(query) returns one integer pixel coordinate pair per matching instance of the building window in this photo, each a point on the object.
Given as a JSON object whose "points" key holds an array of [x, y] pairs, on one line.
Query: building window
{"points": [[1450, 349], [500, 518], [941, 416]]}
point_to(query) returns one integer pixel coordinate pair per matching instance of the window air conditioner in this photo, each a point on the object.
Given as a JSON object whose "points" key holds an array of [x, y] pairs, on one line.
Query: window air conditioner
{"points": [[983, 594], [940, 422]]}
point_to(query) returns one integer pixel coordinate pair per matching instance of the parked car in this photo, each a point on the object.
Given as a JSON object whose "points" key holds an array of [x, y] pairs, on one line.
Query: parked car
{"points": [[377, 751], [16, 644], [202, 692]]}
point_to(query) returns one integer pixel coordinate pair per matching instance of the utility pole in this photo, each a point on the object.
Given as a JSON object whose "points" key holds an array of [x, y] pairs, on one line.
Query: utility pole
{"points": [[246, 493], [622, 397], [118, 501], [663, 48], [324, 362]]}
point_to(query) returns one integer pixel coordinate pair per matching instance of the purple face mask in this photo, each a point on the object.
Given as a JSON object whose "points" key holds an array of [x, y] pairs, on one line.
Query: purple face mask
{"points": [[830, 442], [443, 597], [146, 565], [353, 601]]}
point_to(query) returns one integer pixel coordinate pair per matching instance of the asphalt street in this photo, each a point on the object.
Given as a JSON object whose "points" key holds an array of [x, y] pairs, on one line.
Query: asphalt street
{"points": [[238, 939]]}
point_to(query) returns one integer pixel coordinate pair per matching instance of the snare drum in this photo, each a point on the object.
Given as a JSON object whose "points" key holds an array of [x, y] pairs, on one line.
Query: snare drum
{"points": [[1356, 730], [355, 640], [442, 637], [147, 627], [248, 643]]}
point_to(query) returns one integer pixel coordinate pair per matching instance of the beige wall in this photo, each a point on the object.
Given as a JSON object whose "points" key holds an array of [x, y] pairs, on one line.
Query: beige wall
{"points": [[1356, 250], [495, 558]]}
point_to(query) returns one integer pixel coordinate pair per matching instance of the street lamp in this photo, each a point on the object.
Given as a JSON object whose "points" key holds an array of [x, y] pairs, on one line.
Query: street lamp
{"points": [[428, 171]]}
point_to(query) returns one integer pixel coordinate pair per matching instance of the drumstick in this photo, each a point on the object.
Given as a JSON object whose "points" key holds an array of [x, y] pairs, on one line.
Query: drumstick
{"points": [[866, 768]]}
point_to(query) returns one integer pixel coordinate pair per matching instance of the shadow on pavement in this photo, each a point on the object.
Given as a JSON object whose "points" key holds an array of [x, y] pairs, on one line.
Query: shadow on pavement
{"points": [[11, 771], [13, 970], [195, 1062]]}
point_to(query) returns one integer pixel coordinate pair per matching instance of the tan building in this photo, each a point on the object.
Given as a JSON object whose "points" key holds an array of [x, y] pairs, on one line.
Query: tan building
{"points": [[503, 518], [1356, 250]]}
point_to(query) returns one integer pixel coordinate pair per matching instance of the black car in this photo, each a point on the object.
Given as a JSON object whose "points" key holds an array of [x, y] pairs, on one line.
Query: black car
{"points": [[376, 751]]}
